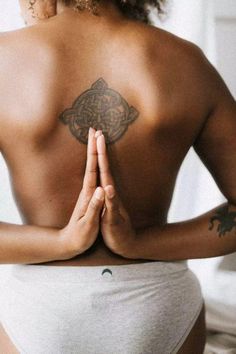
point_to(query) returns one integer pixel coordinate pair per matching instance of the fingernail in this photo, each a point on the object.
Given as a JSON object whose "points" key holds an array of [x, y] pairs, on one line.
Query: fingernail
{"points": [[91, 130], [110, 190], [99, 193]]}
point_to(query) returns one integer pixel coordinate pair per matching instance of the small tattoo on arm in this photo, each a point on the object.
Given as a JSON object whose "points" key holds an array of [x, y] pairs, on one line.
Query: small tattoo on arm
{"points": [[226, 219], [101, 108]]}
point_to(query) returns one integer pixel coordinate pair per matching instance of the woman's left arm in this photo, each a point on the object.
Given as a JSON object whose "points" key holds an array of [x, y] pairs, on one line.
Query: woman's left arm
{"points": [[208, 235], [213, 233]]}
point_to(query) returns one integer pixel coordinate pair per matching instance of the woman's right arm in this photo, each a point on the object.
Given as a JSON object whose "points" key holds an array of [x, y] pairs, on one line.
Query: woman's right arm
{"points": [[29, 244], [36, 244]]}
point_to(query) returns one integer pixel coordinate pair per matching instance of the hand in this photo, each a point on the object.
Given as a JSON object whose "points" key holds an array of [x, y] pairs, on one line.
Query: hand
{"points": [[116, 228], [82, 229]]}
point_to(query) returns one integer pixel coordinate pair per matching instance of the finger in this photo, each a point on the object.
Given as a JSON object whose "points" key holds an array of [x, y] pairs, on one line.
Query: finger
{"points": [[112, 214], [95, 205], [98, 133], [90, 177], [106, 177]]}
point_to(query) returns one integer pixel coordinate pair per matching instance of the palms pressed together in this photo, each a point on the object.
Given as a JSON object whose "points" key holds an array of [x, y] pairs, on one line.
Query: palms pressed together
{"points": [[99, 207]]}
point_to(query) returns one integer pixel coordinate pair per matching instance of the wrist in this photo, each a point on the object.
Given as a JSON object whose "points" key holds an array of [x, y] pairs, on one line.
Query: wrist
{"points": [[133, 248], [144, 244], [65, 248], [70, 244]]}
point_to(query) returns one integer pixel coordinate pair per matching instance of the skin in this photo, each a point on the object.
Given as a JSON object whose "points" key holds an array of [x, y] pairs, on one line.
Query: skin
{"points": [[53, 174]]}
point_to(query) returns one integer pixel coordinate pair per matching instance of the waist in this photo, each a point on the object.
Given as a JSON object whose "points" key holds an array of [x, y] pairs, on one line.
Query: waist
{"points": [[126, 272]]}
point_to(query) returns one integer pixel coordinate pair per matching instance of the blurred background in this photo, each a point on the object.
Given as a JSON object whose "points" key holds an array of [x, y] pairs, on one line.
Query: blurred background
{"points": [[211, 24]]}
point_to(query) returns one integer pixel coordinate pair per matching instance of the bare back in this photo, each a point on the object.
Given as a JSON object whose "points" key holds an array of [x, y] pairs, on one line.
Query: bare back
{"points": [[139, 84]]}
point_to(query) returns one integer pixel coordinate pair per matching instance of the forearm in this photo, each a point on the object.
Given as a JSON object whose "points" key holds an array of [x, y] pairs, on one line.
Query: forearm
{"points": [[29, 244], [209, 235]]}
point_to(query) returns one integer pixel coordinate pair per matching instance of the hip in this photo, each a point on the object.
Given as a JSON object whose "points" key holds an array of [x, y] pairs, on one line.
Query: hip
{"points": [[78, 309]]}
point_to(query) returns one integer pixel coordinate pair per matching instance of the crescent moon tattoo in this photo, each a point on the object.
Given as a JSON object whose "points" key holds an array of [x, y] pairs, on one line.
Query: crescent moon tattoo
{"points": [[101, 108], [106, 271]]}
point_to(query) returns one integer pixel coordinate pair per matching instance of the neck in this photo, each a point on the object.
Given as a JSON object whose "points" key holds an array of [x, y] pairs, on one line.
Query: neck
{"points": [[106, 8]]}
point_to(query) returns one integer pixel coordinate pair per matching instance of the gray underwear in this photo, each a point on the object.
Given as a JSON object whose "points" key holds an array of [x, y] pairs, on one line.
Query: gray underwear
{"points": [[144, 308]]}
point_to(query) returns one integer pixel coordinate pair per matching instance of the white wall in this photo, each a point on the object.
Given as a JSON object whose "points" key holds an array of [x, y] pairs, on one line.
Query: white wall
{"points": [[225, 17], [9, 15]]}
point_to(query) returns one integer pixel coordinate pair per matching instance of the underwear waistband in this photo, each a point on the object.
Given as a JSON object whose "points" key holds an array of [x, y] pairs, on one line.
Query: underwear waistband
{"points": [[124, 272]]}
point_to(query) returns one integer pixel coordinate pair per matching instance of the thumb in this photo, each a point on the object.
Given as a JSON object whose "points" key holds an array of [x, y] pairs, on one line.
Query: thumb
{"points": [[95, 205], [112, 215]]}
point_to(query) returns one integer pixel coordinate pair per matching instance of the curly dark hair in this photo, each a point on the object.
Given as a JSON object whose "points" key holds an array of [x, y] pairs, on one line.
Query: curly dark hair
{"points": [[139, 9], [133, 9]]}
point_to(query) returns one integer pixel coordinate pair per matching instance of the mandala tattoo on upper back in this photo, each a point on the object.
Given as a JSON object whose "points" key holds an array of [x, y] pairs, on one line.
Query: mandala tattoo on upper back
{"points": [[101, 108], [226, 218]]}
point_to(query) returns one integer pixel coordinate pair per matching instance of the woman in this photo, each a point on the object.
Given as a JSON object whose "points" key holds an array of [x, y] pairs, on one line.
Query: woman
{"points": [[103, 108]]}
